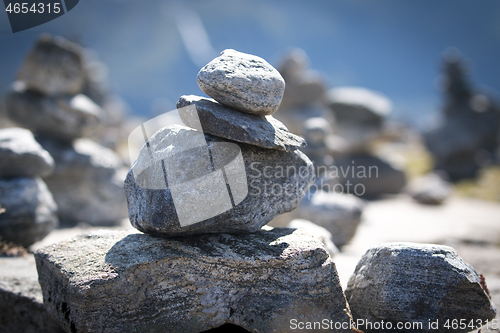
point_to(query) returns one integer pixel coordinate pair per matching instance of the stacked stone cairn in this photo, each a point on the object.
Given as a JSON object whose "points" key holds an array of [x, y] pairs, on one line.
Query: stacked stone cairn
{"points": [[305, 92], [208, 188], [468, 136], [47, 99], [304, 110], [360, 116], [29, 210]]}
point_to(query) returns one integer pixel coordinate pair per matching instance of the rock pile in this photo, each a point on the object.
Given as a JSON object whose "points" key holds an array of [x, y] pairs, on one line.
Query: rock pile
{"points": [[212, 184], [468, 137], [427, 287], [265, 172], [304, 95], [360, 115], [47, 99], [29, 210]]}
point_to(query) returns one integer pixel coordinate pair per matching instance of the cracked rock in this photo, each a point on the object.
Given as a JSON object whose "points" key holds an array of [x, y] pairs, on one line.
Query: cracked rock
{"points": [[113, 281]]}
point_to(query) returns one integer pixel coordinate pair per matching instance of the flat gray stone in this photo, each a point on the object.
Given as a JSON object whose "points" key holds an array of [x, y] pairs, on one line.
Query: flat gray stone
{"points": [[222, 121], [113, 281], [54, 66], [30, 211], [199, 170], [243, 81], [417, 283], [21, 155], [87, 182], [317, 231], [360, 105], [21, 300], [62, 117]]}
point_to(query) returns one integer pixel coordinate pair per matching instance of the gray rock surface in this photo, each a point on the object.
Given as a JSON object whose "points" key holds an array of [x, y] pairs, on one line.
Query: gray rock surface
{"points": [[430, 189], [316, 131], [262, 183], [295, 117], [360, 115], [360, 105], [30, 211], [54, 66], [121, 282], [370, 176], [243, 81], [63, 117], [21, 155], [409, 282], [340, 214], [21, 300], [87, 182], [317, 231], [221, 121]]}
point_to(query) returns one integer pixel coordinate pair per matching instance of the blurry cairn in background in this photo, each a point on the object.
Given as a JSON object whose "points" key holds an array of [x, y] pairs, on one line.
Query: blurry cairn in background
{"points": [[340, 127], [469, 135], [49, 99]]}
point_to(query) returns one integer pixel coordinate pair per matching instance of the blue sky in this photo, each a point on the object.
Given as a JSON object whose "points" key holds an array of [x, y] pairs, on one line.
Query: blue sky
{"points": [[392, 46]]}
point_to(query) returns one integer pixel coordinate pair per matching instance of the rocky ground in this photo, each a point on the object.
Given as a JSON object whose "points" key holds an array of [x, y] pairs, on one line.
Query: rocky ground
{"points": [[470, 226]]}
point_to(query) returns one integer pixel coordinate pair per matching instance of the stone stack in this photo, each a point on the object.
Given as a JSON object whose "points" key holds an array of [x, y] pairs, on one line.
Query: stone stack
{"points": [[265, 172], [29, 210], [47, 99], [304, 95], [360, 116], [467, 138], [207, 187]]}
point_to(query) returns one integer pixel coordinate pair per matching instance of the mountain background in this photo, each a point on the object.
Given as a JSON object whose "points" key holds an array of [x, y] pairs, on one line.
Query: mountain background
{"points": [[153, 49]]}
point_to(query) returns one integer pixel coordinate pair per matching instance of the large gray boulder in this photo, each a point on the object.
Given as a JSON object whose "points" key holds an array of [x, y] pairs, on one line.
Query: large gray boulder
{"points": [[184, 182], [113, 281], [64, 117], [87, 182], [419, 284], [30, 211], [21, 155], [54, 66], [243, 81], [223, 122], [21, 300]]}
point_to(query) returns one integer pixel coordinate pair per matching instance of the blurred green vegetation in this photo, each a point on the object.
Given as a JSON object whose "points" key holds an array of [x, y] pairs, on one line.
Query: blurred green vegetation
{"points": [[486, 186]]}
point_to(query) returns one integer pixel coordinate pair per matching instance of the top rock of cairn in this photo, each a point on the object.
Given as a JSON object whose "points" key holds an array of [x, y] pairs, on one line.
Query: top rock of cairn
{"points": [[244, 82], [54, 66]]}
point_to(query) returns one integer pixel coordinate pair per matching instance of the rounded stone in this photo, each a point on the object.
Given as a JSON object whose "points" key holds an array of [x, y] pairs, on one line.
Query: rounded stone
{"points": [[244, 82], [54, 66], [30, 211]]}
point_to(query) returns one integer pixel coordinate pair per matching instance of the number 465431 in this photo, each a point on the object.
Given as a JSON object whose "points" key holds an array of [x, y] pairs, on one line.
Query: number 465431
{"points": [[39, 8]]}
